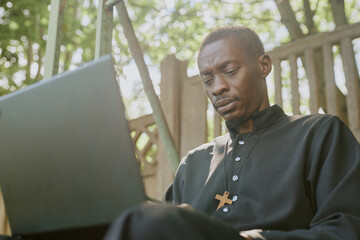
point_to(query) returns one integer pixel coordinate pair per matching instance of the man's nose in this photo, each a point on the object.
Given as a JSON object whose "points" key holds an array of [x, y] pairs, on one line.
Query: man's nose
{"points": [[220, 86]]}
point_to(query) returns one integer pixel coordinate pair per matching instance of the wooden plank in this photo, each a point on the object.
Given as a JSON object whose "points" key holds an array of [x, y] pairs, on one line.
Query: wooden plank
{"points": [[145, 120], [172, 71], [170, 95], [316, 41], [136, 137], [295, 99], [311, 74], [4, 221], [277, 82], [53, 43], [352, 84], [111, 3], [154, 101], [146, 148], [332, 105], [152, 135], [104, 28], [193, 117], [217, 124]]}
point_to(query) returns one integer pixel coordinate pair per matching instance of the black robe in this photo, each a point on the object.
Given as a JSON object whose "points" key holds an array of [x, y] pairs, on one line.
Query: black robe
{"points": [[297, 177]]}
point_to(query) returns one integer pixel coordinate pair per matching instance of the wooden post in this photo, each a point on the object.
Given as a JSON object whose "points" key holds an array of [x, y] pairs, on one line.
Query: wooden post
{"points": [[53, 42], [173, 72], [277, 82], [193, 114], [4, 222], [332, 105], [295, 99], [159, 117], [352, 84], [311, 74], [104, 28]]}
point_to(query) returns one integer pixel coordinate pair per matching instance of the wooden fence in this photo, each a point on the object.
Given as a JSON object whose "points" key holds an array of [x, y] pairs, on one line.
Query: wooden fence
{"points": [[306, 49], [185, 104], [145, 139]]}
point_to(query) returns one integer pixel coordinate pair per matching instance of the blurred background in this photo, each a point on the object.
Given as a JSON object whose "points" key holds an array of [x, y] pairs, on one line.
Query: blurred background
{"points": [[314, 45]]}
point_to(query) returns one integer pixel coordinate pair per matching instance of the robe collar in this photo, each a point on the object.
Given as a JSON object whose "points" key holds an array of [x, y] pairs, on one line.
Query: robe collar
{"points": [[263, 119]]}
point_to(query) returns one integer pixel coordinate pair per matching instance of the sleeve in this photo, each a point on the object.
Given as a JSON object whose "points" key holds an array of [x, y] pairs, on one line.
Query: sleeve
{"points": [[334, 180], [174, 193]]}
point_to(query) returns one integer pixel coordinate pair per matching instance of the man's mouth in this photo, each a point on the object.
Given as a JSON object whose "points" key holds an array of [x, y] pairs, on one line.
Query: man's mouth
{"points": [[225, 105]]}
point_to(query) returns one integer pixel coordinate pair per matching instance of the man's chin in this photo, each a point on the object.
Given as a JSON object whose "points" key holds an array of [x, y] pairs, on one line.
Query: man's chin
{"points": [[231, 116], [234, 123], [233, 120]]}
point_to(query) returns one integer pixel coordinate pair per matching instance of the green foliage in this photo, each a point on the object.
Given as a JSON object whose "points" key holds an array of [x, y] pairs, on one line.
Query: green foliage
{"points": [[22, 26], [162, 27]]}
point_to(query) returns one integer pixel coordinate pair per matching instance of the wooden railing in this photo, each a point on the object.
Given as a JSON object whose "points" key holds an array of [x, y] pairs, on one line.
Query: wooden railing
{"points": [[305, 50], [145, 139], [193, 133]]}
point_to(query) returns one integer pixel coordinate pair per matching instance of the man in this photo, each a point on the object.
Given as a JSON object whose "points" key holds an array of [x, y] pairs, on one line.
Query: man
{"points": [[272, 176]]}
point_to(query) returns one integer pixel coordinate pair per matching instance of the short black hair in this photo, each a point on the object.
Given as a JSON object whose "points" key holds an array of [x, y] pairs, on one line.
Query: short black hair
{"points": [[248, 39]]}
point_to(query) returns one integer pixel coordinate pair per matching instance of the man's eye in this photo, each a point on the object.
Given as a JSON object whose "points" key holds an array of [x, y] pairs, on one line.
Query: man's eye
{"points": [[230, 72], [207, 81]]}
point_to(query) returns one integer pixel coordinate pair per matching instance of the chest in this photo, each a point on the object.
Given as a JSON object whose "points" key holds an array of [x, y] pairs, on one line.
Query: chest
{"points": [[260, 175]]}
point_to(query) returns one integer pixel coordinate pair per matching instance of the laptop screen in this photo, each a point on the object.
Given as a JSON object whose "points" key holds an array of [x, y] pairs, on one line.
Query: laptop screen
{"points": [[67, 159]]}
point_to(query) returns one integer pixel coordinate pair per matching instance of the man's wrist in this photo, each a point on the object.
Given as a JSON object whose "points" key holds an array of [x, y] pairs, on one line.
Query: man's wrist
{"points": [[252, 234]]}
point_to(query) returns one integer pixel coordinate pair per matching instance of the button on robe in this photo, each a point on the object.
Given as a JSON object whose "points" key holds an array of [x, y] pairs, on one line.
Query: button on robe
{"points": [[300, 181]]}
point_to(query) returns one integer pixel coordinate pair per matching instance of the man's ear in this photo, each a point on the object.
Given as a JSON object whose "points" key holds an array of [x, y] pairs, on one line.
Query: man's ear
{"points": [[265, 65]]}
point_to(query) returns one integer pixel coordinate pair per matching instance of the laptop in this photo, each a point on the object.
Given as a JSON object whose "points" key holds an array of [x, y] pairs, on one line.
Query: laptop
{"points": [[66, 155]]}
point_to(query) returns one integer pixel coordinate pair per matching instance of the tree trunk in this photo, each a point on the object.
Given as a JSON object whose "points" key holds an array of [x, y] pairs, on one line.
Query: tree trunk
{"points": [[309, 22], [67, 60], [338, 12], [289, 20], [29, 54], [38, 74], [295, 32], [158, 113]]}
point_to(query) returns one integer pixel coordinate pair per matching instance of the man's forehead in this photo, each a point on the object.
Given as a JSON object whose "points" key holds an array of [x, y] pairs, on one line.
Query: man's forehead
{"points": [[224, 49]]}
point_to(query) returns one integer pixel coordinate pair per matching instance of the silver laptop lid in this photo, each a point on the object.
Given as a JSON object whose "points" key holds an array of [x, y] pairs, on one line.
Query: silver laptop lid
{"points": [[66, 156]]}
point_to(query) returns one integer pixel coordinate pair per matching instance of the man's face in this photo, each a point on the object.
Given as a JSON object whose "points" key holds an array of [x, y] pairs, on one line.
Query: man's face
{"points": [[233, 81]]}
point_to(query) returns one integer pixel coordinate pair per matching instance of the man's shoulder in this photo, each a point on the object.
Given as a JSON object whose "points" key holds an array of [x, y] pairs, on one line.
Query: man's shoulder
{"points": [[314, 119], [316, 124], [209, 146]]}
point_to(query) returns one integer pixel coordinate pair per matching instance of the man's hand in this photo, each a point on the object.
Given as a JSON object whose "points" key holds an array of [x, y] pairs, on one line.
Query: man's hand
{"points": [[252, 234], [185, 206], [246, 236]]}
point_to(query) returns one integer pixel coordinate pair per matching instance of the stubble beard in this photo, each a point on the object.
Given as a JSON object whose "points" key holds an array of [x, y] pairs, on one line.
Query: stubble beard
{"points": [[235, 123]]}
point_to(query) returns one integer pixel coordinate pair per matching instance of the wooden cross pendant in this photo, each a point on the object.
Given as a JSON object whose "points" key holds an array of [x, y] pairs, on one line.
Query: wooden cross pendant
{"points": [[223, 199]]}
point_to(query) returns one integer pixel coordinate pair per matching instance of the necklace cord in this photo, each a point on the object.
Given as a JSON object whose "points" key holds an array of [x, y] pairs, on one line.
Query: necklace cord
{"points": [[225, 156], [243, 158]]}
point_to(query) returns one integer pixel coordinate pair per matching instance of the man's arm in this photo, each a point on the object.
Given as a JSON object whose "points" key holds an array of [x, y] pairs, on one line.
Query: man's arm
{"points": [[174, 192], [333, 179]]}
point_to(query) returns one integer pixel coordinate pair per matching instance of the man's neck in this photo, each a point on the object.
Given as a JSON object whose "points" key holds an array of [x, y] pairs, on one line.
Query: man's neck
{"points": [[245, 127], [239, 127]]}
